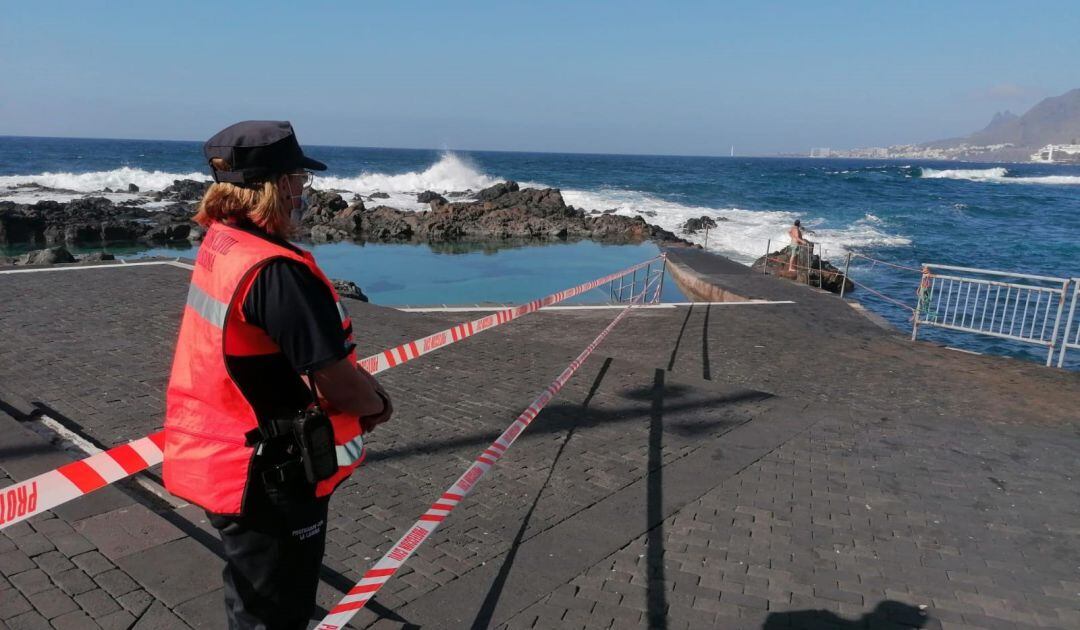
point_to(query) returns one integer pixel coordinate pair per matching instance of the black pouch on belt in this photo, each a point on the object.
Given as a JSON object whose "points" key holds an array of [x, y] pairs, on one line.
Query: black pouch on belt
{"points": [[315, 436]]}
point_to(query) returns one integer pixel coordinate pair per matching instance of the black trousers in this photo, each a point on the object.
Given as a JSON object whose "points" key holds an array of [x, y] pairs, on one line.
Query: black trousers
{"points": [[273, 553]]}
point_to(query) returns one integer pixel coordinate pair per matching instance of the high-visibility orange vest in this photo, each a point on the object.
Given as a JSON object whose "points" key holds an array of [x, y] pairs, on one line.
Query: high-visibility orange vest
{"points": [[207, 460]]}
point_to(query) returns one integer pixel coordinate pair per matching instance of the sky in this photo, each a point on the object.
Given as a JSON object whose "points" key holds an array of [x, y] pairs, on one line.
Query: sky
{"points": [[684, 78]]}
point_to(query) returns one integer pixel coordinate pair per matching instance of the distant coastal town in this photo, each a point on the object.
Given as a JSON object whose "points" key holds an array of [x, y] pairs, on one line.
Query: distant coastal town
{"points": [[1049, 154], [1048, 133]]}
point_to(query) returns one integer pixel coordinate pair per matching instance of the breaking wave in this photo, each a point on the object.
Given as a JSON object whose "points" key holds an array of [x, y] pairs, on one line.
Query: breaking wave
{"points": [[998, 175], [117, 179], [450, 173]]}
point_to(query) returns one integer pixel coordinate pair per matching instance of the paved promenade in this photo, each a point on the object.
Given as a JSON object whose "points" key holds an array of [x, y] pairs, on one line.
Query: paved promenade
{"points": [[781, 465]]}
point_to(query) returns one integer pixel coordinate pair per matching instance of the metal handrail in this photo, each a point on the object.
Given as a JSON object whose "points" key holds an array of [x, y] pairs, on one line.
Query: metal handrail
{"points": [[1075, 343], [997, 283], [972, 310], [1010, 274]]}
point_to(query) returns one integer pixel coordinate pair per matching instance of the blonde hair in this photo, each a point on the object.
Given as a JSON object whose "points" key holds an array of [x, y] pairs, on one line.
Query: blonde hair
{"points": [[261, 204]]}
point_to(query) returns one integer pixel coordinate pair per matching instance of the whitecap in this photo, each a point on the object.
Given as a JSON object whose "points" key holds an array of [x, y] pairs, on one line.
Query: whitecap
{"points": [[999, 175], [117, 179]]}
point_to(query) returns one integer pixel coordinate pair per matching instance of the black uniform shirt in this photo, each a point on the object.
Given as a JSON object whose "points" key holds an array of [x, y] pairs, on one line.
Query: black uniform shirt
{"points": [[297, 311]]}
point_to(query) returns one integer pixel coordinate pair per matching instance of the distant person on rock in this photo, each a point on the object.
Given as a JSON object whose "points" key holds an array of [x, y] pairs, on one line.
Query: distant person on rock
{"points": [[266, 407], [798, 244]]}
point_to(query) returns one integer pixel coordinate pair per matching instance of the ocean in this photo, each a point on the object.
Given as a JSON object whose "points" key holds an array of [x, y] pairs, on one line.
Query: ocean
{"points": [[1010, 217]]}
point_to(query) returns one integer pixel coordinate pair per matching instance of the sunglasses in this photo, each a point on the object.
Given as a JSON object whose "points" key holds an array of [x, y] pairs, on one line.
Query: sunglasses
{"points": [[307, 178]]}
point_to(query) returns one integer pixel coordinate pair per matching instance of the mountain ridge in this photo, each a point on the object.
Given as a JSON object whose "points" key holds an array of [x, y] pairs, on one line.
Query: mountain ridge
{"points": [[1053, 120]]}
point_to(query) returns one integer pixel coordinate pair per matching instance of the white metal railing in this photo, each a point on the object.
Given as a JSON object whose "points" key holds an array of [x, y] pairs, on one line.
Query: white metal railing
{"points": [[651, 283], [1072, 327], [1022, 307]]}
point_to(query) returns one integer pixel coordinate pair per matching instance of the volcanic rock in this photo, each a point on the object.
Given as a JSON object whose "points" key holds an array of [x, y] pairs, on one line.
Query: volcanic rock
{"points": [[692, 226], [497, 190], [348, 289], [96, 257], [49, 256], [821, 273], [428, 196], [185, 190]]}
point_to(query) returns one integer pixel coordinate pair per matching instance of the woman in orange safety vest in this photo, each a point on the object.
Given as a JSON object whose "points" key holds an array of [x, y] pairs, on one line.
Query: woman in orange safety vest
{"points": [[266, 406]]}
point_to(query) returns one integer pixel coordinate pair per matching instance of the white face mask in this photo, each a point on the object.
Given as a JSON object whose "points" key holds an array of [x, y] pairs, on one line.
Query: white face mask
{"points": [[298, 213]]}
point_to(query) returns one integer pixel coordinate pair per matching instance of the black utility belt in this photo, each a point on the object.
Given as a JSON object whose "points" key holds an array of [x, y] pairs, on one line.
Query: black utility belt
{"points": [[314, 438]]}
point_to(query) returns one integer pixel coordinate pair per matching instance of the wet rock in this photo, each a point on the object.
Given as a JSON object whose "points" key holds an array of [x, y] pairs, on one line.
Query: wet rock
{"points": [[348, 289], [121, 231], [507, 212], [168, 232], [379, 195], [96, 257], [820, 273], [328, 234], [693, 226], [384, 223], [428, 196], [350, 220], [185, 190], [496, 191], [132, 188], [49, 256]]}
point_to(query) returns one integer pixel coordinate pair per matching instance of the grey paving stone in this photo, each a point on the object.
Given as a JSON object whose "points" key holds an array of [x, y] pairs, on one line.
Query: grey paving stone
{"points": [[158, 617], [206, 611], [12, 603], [32, 581], [116, 582], [52, 603], [126, 531], [75, 620], [119, 620], [92, 563], [136, 602], [15, 561], [53, 563], [97, 603], [28, 621], [175, 572], [74, 581], [34, 544], [71, 544]]}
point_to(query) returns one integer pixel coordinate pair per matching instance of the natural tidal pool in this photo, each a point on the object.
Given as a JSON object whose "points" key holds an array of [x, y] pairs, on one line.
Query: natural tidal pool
{"points": [[456, 274]]}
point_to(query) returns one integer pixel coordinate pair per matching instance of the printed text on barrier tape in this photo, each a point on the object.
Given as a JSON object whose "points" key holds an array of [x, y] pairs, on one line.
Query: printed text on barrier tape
{"points": [[71, 481], [384, 569]]}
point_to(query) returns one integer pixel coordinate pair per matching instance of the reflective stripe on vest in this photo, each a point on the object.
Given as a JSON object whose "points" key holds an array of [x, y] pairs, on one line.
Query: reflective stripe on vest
{"points": [[213, 311], [351, 451]]}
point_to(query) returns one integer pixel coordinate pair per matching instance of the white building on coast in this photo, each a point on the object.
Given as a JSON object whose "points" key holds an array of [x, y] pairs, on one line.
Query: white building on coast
{"points": [[1058, 153]]}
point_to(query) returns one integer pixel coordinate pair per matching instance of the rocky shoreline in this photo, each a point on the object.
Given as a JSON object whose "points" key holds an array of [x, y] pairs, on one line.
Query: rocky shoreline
{"points": [[499, 213]]}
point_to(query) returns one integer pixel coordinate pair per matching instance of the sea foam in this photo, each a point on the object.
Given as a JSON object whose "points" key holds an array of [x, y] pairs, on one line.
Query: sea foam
{"points": [[117, 179], [998, 175]]}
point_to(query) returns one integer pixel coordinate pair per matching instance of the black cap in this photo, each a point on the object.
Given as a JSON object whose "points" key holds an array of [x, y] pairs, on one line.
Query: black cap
{"points": [[257, 150]]}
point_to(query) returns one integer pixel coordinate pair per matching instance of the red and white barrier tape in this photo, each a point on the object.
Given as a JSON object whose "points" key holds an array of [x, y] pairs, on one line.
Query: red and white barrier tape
{"points": [[71, 481], [429, 521]]}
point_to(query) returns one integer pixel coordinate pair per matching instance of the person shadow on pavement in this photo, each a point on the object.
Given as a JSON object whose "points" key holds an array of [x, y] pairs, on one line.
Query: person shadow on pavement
{"points": [[887, 614]]}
